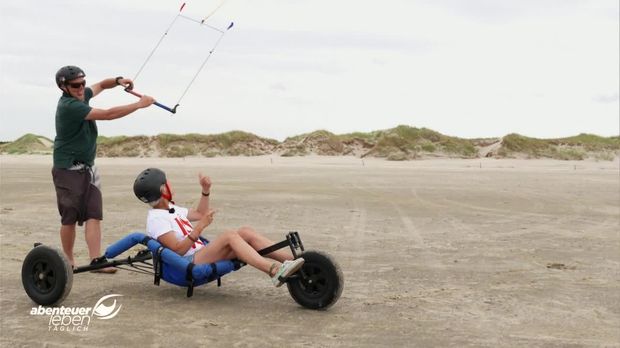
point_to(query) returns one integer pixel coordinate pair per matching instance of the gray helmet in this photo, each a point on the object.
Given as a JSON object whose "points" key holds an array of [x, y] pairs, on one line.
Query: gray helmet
{"points": [[68, 73], [147, 186]]}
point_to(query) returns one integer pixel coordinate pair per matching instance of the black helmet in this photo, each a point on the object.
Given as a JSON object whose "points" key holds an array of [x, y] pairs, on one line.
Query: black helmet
{"points": [[68, 73], [147, 186]]}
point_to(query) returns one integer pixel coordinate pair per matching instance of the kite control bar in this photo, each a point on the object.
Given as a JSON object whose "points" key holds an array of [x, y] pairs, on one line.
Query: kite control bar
{"points": [[202, 23], [172, 110]]}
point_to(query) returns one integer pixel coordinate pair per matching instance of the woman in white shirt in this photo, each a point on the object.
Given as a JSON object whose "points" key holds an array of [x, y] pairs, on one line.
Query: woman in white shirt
{"points": [[172, 226]]}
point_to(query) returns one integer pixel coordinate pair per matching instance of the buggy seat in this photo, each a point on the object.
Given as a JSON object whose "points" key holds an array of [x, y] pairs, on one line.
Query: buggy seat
{"points": [[172, 267]]}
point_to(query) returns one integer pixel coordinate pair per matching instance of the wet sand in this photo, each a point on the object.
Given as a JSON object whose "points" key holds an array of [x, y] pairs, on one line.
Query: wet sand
{"points": [[484, 253]]}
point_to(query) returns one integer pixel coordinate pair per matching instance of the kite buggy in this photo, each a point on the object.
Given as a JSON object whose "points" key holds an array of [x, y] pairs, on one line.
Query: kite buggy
{"points": [[47, 275]]}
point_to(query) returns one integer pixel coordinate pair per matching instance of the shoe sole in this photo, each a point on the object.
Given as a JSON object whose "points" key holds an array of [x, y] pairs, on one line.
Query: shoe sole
{"points": [[289, 272]]}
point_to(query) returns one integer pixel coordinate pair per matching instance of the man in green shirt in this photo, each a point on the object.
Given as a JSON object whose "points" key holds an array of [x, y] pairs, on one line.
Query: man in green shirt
{"points": [[75, 176]]}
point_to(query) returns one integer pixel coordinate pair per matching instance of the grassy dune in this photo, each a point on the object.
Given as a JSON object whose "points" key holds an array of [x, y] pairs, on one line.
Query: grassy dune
{"points": [[397, 144], [577, 147], [28, 144]]}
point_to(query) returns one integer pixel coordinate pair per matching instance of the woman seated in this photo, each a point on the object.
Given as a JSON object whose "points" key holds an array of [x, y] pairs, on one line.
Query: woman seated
{"points": [[172, 226]]}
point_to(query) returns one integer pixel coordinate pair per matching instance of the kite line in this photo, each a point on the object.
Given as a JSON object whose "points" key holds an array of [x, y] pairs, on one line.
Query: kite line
{"points": [[202, 23]]}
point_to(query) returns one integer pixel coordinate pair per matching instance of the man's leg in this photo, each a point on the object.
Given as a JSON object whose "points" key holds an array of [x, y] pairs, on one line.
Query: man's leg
{"points": [[67, 200], [93, 237], [67, 238], [93, 241], [94, 215]]}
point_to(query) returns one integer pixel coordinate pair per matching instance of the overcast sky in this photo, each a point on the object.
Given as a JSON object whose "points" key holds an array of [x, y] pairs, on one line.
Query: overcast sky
{"points": [[467, 68]]}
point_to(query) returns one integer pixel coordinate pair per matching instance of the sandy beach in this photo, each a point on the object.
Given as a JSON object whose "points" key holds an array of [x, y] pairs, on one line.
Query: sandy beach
{"points": [[435, 253]]}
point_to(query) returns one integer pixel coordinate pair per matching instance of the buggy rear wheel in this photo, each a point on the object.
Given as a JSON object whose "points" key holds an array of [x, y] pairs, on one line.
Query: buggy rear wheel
{"points": [[47, 275], [319, 283]]}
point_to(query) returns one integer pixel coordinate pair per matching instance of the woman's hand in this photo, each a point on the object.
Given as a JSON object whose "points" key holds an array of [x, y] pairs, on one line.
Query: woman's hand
{"points": [[205, 221], [205, 182]]}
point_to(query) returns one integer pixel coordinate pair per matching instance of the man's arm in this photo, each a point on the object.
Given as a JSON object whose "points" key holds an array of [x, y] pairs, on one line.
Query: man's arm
{"points": [[119, 111], [110, 83]]}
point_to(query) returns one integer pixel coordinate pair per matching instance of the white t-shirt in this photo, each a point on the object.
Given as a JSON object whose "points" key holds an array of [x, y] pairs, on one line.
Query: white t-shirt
{"points": [[161, 221]]}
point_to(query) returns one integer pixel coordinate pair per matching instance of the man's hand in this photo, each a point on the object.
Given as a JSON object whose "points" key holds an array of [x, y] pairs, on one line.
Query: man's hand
{"points": [[145, 101], [126, 83], [205, 182]]}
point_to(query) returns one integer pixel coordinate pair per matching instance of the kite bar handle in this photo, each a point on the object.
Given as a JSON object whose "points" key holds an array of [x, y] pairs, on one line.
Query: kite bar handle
{"points": [[172, 110]]}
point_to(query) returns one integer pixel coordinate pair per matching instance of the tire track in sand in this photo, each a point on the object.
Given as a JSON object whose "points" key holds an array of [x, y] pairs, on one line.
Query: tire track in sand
{"points": [[410, 232]]}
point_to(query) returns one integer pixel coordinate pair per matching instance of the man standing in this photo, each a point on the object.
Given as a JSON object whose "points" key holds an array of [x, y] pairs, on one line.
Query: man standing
{"points": [[74, 173]]}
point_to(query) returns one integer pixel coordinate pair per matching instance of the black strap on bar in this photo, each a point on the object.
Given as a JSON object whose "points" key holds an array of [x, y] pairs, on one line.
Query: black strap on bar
{"points": [[237, 264], [158, 265], [277, 246], [214, 274], [99, 261], [190, 280]]}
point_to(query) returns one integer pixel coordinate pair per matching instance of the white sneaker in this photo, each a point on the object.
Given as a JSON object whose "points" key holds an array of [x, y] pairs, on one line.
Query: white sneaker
{"points": [[287, 268]]}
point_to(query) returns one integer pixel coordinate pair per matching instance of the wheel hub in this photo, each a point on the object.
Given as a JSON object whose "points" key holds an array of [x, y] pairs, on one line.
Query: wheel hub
{"points": [[44, 278]]}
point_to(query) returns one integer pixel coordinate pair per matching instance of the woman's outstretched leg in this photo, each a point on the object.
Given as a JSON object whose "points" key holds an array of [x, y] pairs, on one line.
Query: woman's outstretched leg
{"points": [[230, 245], [258, 242]]}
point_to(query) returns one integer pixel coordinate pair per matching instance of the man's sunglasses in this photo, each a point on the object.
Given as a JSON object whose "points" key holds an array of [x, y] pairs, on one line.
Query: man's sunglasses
{"points": [[77, 85]]}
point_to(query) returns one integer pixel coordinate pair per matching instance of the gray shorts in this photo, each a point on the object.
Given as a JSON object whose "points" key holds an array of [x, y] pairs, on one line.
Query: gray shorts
{"points": [[78, 194]]}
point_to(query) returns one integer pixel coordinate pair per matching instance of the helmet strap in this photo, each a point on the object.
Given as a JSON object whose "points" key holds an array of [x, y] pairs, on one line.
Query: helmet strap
{"points": [[65, 91], [168, 194]]}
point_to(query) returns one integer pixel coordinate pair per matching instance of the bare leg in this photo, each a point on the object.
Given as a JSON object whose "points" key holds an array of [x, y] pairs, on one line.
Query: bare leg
{"points": [[93, 240], [258, 242], [93, 237], [67, 239], [230, 244]]}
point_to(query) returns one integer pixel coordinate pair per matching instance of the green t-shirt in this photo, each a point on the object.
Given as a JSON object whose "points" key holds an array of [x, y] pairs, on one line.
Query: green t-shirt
{"points": [[76, 138]]}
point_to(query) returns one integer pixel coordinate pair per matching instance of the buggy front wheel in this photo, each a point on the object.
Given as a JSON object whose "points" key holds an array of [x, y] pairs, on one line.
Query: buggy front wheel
{"points": [[319, 283]]}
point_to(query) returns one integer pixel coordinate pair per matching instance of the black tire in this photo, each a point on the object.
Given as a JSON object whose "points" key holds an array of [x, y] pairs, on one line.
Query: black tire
{"points": [[319, 283], [47, 275]]}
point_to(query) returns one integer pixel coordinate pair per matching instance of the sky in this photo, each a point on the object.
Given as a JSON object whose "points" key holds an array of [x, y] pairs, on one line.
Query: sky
{"points": [[466, 68]]}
